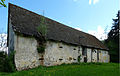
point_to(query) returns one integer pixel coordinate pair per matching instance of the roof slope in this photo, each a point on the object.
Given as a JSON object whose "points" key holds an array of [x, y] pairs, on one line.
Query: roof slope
{"points": [[26, 22]]}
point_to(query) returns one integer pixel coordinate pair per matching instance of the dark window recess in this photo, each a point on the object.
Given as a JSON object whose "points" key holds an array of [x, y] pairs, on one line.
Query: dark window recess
{"points": [[41, 58], [84, 51], [98, 55], [85, 59], [95, 51], [74, 49], [74, 59], [78, 48], [60, 59], [60, 47], [79, 59]]}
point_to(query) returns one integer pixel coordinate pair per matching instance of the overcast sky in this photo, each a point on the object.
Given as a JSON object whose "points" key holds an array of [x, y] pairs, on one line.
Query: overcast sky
{"points": [[91, 16]]}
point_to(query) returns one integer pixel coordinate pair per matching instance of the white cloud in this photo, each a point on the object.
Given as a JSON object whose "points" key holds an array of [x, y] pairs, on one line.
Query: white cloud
{"points": [[99, 33], [93, 1], [90, 1], [79, 29]]}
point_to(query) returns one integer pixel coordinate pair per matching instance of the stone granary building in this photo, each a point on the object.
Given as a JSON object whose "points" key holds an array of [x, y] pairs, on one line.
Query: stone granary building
{"points": [[63, 44]]}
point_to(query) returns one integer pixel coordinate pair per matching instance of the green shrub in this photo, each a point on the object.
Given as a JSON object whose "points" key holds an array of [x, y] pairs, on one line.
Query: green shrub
{"points": [[79, 58], [41, 49], [42, 28], [2, 60], [9, 65], [7, 62]]}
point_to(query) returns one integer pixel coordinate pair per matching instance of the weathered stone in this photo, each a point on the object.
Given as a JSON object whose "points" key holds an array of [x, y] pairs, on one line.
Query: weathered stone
{"points": [[26, 55], [94, 55], [56, 53], [89, 51]]}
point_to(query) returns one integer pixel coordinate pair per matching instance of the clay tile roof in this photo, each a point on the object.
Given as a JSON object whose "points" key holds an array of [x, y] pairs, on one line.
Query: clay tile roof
{"points": [[26, 22]]}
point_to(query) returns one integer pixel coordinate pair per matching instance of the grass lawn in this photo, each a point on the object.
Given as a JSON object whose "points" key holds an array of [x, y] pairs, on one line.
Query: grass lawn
{"points": [[82, 69]]}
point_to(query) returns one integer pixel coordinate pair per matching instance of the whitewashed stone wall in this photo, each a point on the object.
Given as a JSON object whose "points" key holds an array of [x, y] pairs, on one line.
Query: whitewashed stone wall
{"points": [[58, 53], [94, 55], [100, 56], [105, 56], [26, 55], [81, 56], [89, 54]]}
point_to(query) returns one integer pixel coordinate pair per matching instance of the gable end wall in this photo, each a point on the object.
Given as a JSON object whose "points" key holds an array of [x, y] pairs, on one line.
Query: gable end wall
{"points": [[11, 38]]}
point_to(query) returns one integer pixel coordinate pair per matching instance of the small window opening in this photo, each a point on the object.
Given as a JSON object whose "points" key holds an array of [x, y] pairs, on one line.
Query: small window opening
{"points": [[78, 49], [60, 59], [74, 59], [60, 47], [41, 58], [84, 51], [95, 51], [74, 49]]}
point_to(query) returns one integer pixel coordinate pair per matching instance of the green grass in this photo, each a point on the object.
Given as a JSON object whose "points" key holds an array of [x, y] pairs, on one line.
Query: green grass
{"points": [[82, 69]]}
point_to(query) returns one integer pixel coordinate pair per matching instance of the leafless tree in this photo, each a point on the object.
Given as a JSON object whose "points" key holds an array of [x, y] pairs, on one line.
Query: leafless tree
{"points": [[3, 41]]}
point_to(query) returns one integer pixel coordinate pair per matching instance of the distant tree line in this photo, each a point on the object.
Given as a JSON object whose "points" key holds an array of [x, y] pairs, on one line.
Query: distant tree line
{"points": [[112, 42]]}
